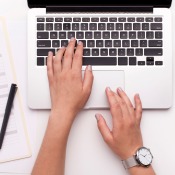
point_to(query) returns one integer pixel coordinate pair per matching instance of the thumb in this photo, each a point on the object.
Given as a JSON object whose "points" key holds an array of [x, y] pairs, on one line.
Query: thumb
{"points": [[104, 129]]}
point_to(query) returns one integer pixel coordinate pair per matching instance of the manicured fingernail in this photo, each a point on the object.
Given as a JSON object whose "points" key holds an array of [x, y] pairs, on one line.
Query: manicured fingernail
{"points": [[72, 39], [89, 67], [108, 89], [80, 43], [120, 89], [97, 116]]}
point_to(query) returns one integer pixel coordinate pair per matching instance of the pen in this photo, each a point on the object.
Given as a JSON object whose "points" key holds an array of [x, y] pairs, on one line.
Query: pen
{"points": [[7, 112]]}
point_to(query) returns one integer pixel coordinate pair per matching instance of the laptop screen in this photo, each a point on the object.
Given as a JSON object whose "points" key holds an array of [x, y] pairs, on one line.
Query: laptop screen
{"points": [[155, 3]]}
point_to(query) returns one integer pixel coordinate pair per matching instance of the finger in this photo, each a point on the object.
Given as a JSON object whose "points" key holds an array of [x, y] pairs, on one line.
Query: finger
{"points": [[50, 66], [123, 95], [115, 108], [67, 62], [57, 60], [77, 60], [138, 109], [104, 129], [88, 80]]}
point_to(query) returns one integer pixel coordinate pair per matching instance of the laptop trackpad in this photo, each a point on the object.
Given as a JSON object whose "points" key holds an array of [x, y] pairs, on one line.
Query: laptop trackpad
{"points": [[103, 79]]}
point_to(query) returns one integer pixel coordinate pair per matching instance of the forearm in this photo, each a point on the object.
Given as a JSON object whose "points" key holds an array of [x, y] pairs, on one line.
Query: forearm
{"points": [[141, 171], [51, 157]]}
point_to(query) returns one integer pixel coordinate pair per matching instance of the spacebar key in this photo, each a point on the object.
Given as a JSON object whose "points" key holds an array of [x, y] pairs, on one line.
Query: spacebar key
{"points": [[153, 52], [100, 61]]}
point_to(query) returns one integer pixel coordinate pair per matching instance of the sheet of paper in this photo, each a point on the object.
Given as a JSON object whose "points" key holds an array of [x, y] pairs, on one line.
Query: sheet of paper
{"points": [[16, 143]]}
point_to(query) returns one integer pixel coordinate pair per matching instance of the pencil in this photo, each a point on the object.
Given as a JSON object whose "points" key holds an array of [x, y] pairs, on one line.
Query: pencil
{"points": [[8, 108]]}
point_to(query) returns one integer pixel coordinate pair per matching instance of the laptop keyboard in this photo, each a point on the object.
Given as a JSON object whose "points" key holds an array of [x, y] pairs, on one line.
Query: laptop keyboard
{"points": [[115, 41]]}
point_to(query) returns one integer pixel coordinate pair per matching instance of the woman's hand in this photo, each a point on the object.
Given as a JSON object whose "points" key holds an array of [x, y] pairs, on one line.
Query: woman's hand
{"points": [[69, 91], [125, 137]]}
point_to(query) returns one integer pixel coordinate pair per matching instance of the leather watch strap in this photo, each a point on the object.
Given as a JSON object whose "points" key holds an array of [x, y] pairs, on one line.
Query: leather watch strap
{"points": [[130, 162]]}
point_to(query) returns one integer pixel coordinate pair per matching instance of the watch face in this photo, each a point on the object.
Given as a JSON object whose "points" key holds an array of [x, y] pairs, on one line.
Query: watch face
{"points": [[144, 156]]}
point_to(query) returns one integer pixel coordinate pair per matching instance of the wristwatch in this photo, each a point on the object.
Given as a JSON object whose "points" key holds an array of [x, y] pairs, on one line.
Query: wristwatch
{"points": [[143, 157]]}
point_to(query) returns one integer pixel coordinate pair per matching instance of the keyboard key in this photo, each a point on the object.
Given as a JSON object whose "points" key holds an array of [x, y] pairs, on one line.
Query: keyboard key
{"points": [[131, 19], [121, 52], [44, 52], [122, 61], [123, 35], [75, 26], [40, 26], [64, 43], [136, 26], [49, 19], [53, 35], [76, 19], [86, 19], [103, 19], [108, 43], [104, 52], [88, 35], [58, 19], [128, 26], [84, 42], [97, 35], [70, 35], [126, 43], [40, 20], [117, 43], [99, 43], [94, 19], [80, 35], [62, 35], [159, 63], [149, 35], [106, 35], [115, 35], [86, 52], [110, 26], [153, 52], [134, 43], [141, 63], [58, 26], [149, 19], [140, 19], [40, 61], [101, 26], [143, 43], [149, 58], [84, 26], [145, 26], [158, 19], [141, 35], [66, 26], [95, 52], [49, 26], [150, 63], [130, 52], [55, 43], [155, 43], [93, 26], [42, 35], [90, 43], [158, 35], [132, 35], [132, 61], [43, 43], [122, 19], [100, 61], [67, 19], [113, 19], [139, 52], [113, 52], [156, 26], [119, 26]]}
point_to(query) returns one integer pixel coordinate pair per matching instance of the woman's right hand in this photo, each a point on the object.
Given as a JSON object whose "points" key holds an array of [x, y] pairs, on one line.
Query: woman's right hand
{"points": [[125, 137]]}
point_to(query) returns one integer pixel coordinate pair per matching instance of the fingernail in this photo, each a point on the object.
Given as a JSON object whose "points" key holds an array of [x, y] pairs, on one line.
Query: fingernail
{"points": [[138, 95], [120, 89], [72, 39], [109, 89], [80, 43], [62, 47], [97, 116], [89, 67], [50, 53]]}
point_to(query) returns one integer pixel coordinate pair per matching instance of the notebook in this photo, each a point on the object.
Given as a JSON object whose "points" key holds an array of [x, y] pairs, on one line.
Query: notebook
{"points": [[128, 44], [16, 142]]}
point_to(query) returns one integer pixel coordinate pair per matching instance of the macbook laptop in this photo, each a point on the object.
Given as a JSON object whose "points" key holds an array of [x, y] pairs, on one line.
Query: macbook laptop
{"points": [[128, 43]]}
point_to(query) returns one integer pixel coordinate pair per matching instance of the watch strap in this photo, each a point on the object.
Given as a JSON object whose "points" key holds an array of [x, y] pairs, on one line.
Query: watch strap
{"points": [[130, 162]]}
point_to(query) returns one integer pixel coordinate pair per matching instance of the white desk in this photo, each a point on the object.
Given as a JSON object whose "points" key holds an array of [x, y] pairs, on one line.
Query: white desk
{"points": [[87, 154]]}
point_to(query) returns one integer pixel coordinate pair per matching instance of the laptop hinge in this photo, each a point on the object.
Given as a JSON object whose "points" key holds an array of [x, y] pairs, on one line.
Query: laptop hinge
{"points": [[98, 9]]}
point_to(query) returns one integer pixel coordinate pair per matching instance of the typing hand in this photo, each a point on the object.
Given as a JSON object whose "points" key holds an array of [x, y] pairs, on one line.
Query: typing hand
{"points": [[69, 91], [125, 137]]}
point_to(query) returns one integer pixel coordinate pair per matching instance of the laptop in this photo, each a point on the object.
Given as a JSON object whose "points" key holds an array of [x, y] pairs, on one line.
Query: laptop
{"points": [[128, 43]]}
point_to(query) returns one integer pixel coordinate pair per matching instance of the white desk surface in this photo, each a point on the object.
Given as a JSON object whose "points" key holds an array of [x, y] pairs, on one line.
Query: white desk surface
{"points": [[87, 154]]}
